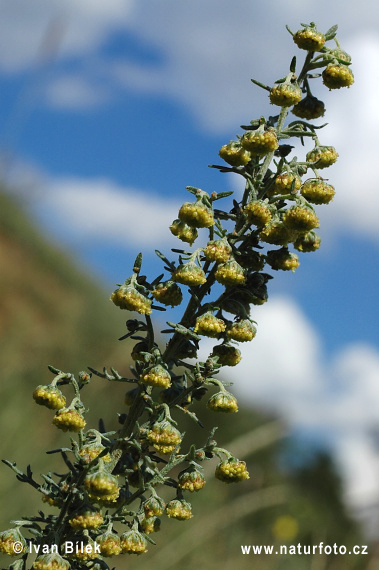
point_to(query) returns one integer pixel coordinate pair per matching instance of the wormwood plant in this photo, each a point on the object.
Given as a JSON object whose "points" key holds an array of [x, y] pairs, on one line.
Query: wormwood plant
{"points": [[108, 501]]}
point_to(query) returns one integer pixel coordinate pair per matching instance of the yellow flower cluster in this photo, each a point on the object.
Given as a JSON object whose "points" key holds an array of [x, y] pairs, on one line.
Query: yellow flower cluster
{"points": [[179, 509], [157, 376], [232, 471], [209, 325], [69, 419], [49, 396], [164, 437]]}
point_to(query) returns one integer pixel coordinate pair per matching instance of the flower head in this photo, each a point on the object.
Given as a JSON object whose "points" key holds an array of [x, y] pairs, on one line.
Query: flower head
{"points": [[179, 509], [127, 297], [231, 471], [49, 396], [133, 542], [68, 419]]}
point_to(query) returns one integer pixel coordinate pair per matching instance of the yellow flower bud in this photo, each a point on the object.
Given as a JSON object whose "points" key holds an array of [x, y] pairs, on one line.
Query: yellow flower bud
{"points": [[153, 507], [337, 75], [317, 191], [86, 518], [157, 376], [191, 480], [309, 39], [179, 509], [164, 437], [49, 396], [10, 540], [285, 94], [301, 219], [168, 293], [283, 259], [260, 143], [101, 484], [223, 402], [227, 355], [90, 451], [196, 215], [232, 471], [242, 331], [234, 154], [189, 274], [209, 325], [322, 156], [127, 297], [109, 543], [286, 182], [218, 250], [307, 242], [68, 419], [133, 542], [258, 213], [230, 273], [277, 233], [183, 231], [151, 524], [51, 561]]}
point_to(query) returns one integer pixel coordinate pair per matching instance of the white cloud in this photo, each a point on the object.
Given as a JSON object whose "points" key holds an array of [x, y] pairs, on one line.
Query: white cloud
{"points": [[75, 92], [358, 459], [356, 370], [212, 49], [208, 68], [99, 210], [284, 369], [33, 31], [354, 121], [287, 341]]}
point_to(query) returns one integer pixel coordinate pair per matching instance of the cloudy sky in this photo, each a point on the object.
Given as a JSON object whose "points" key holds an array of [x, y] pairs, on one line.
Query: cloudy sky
{"points": [[109, 109]]}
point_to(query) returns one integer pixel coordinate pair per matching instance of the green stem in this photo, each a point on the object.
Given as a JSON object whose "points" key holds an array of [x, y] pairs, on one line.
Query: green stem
{"points": [[267, 161], [188, 316], [306, 67], [150, 332]]}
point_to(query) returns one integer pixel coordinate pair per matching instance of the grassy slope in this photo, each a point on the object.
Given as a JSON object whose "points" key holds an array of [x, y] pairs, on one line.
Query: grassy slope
{"points": [[50, 313]]}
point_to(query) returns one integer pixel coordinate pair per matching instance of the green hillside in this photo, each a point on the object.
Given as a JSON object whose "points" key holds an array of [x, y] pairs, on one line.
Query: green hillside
{"points": [[52, 313]]}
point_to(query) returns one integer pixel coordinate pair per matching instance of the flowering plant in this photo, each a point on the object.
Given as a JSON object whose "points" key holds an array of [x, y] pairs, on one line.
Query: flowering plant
{"points": [[108, 500]]}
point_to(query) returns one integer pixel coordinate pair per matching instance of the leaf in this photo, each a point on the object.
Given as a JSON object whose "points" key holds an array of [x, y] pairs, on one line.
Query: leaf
{"points": [[183, 330], [138, 263], [157, 280], [59, 450], [182, 251], [289, 30], [54, 370], [157, 308], [222, 168], [191, 415], [165, 260], [283, 135], [192, 189], [266, 87], [222, 195], [330, 34], [127, 335]]}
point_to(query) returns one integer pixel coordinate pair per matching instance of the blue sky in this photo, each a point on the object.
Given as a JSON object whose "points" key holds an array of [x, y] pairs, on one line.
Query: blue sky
{"points": [[109, 109]]}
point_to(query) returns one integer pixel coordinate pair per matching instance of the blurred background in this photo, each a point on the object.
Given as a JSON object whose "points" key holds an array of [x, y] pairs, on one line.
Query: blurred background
{"points": [[107, 111]]}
